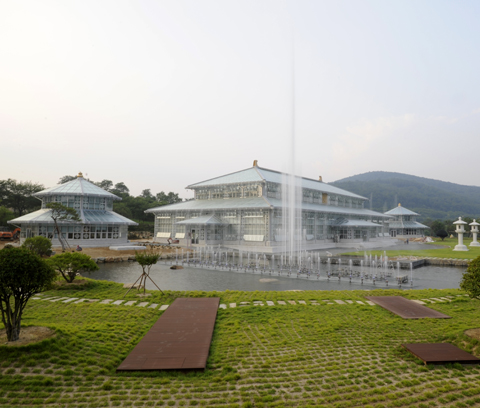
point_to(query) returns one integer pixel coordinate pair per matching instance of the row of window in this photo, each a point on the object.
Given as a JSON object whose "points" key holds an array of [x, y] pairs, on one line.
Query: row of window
{"points": [[76, 232], [78, 202]]}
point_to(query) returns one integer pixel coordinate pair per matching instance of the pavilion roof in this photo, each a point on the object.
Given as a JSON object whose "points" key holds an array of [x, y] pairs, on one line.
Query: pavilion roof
{"points": [[260, 174], [78, 186], [401, 211]]}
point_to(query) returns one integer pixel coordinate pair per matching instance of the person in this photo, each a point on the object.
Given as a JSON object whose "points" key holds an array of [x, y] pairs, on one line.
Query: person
{"points": [[79, 248], [407, 241]]}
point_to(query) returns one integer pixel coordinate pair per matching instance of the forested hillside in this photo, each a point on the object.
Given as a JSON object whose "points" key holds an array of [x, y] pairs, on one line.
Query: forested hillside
{"points": [[430, 198]]}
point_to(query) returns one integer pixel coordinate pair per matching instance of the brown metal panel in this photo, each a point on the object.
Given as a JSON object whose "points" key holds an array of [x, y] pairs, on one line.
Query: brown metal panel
{"points": [[406, 308], [440, 353], [179, 339]]}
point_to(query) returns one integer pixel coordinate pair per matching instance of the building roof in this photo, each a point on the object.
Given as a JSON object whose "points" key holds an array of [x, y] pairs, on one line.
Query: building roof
{"points": [[79, 186], [401, 211], [356, 223], [405, 224], [259, 174], [258, 203], [87, 216], [203, 220]]}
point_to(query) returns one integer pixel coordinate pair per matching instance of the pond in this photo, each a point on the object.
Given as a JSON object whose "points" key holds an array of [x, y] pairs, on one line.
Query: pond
{"points": [[208, 279]]}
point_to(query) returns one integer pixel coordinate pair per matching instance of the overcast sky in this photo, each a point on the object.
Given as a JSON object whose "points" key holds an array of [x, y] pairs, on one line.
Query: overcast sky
{"points": [[163, 94]]}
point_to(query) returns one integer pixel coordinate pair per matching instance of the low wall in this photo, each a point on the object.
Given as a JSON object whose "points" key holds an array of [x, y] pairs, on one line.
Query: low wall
{"points": [[125, 258]]}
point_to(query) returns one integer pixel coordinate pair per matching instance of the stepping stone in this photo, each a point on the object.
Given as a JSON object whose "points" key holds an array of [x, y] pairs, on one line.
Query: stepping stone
{"points": [[50, 298], [69, 300], [153, 306], [244, 303], [369, 302], [92, 300], [80, 300], [233, 305], [281, 302], [106, 301], [340, 302], [270, 303], [143, 304], [329, 302], [446, 298], [428, 300], [118, 302], [418, 301], [315, 304], [164, 307], [36, 298], [349, 301], [56, 300], [438, 300], [302, 302], [223, 306], [130, 303], [292, 302], [258, 304], [360, 302]]}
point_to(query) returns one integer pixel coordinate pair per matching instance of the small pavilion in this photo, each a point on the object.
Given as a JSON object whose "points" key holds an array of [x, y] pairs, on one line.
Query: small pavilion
{"points": [[404, 224], [100, 226]]}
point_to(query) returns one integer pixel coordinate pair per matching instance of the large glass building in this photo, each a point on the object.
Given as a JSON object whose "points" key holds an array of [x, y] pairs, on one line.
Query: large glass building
{"points": [[100, 226], [251, 210]]}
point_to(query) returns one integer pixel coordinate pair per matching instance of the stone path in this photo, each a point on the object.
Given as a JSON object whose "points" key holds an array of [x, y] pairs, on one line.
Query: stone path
{"points": [[112, 302]]}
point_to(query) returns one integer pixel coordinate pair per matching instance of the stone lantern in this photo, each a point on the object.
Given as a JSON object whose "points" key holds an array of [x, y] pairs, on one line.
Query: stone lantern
{"points": [[460, 231], [474, 230]]}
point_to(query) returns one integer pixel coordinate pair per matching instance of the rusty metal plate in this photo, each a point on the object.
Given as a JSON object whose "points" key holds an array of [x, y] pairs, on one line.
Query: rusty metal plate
{"points": [[406, 308], [179, 340], [440, 353]]}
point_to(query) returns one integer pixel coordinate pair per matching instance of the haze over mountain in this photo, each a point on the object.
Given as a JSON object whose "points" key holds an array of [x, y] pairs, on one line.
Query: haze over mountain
{"points": [[430, 198]]}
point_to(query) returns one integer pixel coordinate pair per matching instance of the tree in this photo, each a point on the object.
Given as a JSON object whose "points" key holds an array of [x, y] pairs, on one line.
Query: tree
{"points": [[442, 234], [170, 198], [22, 274], [71, 263], [146, 261], [5, 215], [66, 179], [146, 194], [39, 245], [120, 188], [62, 213], [105, 184], [470, 282], [18, 195]]}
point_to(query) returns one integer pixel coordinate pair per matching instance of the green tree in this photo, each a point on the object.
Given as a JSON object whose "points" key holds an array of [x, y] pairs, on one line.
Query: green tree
{"points": [[470, 282], [5, 215], [61, 212], [39, 245], [442, 234], [18, 195], [66, 179], [22, 274], [105, 184], [120, 189], [146, 261], [71, 263]]}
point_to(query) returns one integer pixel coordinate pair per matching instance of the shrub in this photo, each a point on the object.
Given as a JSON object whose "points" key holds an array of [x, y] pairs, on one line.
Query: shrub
{"points": [[39, 245]]}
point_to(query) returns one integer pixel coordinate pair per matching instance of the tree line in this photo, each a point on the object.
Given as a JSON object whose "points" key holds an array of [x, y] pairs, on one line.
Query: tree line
{"points": [[16, 199]]}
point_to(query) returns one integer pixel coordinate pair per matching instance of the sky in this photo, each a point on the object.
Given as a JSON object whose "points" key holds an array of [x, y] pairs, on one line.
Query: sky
{"points": [[163, 94]]}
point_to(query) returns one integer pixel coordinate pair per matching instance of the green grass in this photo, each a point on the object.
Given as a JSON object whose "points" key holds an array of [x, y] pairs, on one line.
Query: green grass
{"points": [[446, 252], [281, 356]]}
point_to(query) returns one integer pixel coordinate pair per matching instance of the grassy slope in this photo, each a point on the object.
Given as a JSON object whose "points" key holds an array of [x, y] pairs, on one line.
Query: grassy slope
{"points": [[327, 355], [446, 252]]}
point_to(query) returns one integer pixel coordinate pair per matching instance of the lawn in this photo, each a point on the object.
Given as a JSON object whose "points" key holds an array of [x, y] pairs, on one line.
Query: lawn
{"points": [[446, 252], [330, 355]]}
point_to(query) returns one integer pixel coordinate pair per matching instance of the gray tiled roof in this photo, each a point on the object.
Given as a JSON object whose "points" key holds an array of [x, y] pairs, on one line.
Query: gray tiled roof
{"points": [[401, 211], [254, 174], [87, 216], [258, 203], [79, 186], [405, 224]]}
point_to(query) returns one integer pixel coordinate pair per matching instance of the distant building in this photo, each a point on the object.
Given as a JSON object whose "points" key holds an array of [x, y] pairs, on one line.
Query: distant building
{"points": [[245, 211], [99, 226], [404, 224]]}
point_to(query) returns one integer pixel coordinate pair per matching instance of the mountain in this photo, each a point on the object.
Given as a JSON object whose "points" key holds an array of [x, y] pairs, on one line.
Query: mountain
{"points": [[430, 198]]}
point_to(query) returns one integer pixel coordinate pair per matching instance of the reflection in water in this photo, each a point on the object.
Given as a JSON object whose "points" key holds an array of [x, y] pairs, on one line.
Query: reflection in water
{"points": [[192, 278]]}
